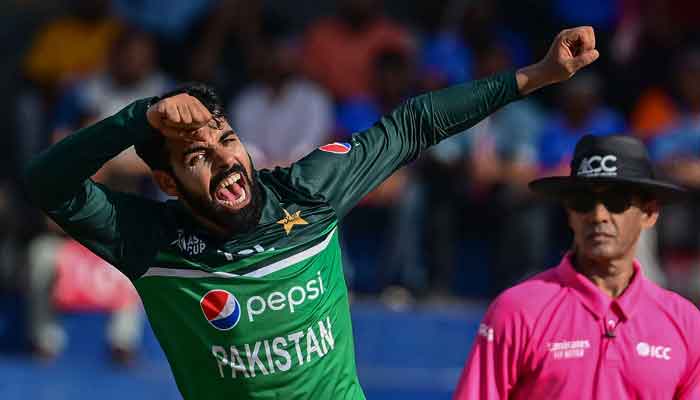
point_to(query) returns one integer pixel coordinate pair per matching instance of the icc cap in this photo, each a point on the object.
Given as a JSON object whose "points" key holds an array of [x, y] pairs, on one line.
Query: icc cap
{"points": [[617, 160]]}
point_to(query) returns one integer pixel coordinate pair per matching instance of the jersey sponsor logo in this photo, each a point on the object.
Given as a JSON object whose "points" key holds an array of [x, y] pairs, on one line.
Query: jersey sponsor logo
{"points": [[598, 166], [189, 244], [568, 349], [221, 309], [647, 350], [336, 148], [274, 355], [289, 300], [290, 220]]}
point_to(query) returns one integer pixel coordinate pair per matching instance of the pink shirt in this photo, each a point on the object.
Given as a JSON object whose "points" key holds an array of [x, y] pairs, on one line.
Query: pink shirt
{"points": [[557, 336]]}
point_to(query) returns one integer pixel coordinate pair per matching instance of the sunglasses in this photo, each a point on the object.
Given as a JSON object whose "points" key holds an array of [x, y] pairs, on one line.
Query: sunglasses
{"points": [[585, 201]]}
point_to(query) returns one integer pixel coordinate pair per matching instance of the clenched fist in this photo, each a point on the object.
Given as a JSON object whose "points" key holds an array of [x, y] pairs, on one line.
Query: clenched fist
{"points": [[179, 117], [571, 50]]}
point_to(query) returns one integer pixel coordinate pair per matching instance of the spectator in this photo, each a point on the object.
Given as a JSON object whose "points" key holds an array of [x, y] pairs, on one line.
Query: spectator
{"points": [[675, 148], [218, 36], [72, 46], [54, 261], [661, 108], [443, 57], [284, 115], [677, 144], [581, 111], [340, 51], [68, 48], [392, 81], [646, 38], [481, 25], [654, 111], [132, 73], [168, 19], [449, 47]]}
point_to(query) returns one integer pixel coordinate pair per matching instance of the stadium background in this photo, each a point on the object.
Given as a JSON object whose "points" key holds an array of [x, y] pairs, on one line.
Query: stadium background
{"points": [[426, 251]]}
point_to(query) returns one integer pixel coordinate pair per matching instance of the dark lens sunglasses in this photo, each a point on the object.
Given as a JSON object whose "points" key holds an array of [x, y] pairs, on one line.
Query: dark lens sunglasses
{"points": [[584, 202]]}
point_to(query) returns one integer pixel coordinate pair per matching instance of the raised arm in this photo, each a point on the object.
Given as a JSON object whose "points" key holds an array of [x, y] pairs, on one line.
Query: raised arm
{"points": [[570, 51], [343, 178], [119, 227]]}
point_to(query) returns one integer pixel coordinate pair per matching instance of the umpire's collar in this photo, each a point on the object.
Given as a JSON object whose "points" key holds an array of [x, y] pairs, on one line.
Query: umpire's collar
{"points": [[594, 299]]}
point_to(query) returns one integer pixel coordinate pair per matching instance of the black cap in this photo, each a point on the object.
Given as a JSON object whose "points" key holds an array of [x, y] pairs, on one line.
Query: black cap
{"points": [[614, 160]]}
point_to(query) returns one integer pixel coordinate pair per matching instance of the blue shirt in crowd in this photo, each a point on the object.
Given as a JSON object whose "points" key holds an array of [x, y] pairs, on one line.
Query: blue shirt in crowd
{"points": [[558, 138], [680, 141]]}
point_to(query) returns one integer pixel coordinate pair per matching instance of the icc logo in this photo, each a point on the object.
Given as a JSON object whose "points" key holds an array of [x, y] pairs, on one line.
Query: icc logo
{"points": [[598, 166], [646, 350], [221, 309]]}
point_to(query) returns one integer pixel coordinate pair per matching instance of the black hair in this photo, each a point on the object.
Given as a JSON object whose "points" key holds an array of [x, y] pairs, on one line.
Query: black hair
{"points": [[154, 151]]}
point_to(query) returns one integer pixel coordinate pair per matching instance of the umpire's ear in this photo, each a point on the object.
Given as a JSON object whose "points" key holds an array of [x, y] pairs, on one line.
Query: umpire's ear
{"points": [[166, 183], [650, 213]]}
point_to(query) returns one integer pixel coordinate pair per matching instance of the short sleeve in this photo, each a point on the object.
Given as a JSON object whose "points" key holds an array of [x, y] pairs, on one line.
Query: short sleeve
{"points": [[493, 366]]}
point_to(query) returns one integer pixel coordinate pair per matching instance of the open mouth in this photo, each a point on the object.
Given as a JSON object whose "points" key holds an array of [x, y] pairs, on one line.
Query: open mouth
{"points": [[231, 192]]}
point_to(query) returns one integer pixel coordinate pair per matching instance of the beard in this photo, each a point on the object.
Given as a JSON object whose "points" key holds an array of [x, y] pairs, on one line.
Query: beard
{"points": [[234, 222]]}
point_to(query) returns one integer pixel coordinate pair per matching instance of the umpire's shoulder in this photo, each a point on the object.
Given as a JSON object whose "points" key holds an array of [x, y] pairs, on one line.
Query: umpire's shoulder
{"points": [[526, 301], [682, 311]]}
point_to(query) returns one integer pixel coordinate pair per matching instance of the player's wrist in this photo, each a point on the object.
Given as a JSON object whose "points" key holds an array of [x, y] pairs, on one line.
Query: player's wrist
{"points": [[533, 77], [152, 116]]}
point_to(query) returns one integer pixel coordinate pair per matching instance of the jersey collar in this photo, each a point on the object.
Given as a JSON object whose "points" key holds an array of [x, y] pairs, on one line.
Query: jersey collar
{"points": [[594, 299]]}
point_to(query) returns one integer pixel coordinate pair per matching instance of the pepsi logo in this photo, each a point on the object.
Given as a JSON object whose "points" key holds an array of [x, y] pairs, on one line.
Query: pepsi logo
{"points": [[336, 148], [221, 309]]}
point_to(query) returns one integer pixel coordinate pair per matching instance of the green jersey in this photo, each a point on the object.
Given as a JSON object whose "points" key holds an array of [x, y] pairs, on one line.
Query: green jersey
{"points": [[261, 315]]}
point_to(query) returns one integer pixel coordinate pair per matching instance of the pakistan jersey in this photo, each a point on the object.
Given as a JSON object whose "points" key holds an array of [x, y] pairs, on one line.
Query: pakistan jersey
{"points": [[261, 315]]}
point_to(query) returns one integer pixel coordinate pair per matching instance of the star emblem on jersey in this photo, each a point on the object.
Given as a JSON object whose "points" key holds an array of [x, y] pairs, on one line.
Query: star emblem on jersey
{"points": [[290, 220]]}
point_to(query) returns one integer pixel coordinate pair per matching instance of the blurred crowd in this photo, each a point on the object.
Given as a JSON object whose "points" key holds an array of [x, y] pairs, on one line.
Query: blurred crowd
{"points": [[457, 223]]}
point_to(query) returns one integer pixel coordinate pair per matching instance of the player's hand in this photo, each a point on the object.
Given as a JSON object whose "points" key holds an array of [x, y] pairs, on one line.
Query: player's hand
{"points": [[571, 50], [179, 117]]}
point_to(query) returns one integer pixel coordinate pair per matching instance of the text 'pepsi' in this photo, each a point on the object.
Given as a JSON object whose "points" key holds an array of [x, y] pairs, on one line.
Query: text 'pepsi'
{"points": [[277, 301]]}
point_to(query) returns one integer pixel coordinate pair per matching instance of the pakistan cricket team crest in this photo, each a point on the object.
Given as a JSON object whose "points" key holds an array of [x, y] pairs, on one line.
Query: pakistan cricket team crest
{"points": [[290, 220]]}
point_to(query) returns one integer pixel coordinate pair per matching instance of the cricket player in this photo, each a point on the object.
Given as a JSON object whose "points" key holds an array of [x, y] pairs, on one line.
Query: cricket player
{"points": [[241, 276], [594, 327]]}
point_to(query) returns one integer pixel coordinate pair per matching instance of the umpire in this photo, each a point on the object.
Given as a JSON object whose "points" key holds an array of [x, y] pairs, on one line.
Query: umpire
{"points": [[593, 327]]}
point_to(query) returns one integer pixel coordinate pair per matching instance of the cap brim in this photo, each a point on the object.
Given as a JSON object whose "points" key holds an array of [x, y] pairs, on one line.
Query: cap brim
{"points": [[556, 187]]}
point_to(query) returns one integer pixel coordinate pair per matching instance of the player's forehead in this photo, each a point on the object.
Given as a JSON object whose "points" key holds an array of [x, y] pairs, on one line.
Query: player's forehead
{"points": [[211, 133]]}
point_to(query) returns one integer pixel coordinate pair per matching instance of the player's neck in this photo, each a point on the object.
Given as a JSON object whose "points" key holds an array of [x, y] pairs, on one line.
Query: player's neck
{"points": [[610, 276]]}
